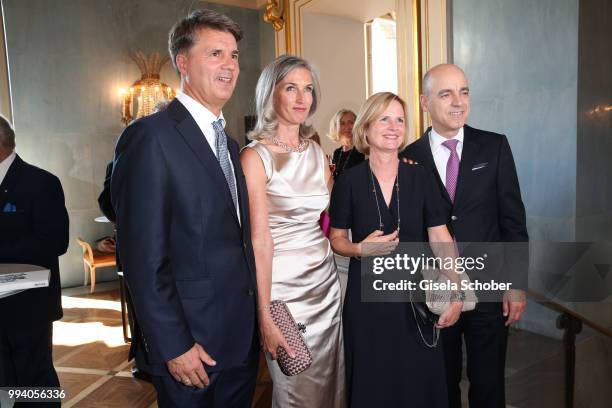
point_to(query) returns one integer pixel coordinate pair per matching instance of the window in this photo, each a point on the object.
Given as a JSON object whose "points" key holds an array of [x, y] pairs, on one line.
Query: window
{"points": [[381, 42]]}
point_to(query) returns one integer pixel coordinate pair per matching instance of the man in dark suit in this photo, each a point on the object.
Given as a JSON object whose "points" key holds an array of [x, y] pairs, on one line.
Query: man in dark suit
{"points": [[106, 206], [183, 229], [34, 225], [476, 175]]}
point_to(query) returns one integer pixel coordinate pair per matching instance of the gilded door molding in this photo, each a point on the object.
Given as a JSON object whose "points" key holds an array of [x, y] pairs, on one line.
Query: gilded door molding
{"points": [[289, 39], [421, 44], [5, 89]]}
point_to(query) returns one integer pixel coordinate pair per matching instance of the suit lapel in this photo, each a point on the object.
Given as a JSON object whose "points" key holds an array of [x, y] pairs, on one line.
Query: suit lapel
{"points": [[240, 187], [470, 149], [190, 131], [8, 184], [426, 154]]}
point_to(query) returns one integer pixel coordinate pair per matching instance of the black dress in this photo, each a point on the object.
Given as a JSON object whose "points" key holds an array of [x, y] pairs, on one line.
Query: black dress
{"points": [[345, 160], [387, 363]]}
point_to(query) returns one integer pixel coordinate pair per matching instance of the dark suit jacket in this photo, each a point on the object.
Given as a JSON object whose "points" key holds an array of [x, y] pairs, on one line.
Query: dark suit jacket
{"points": [[488, 205], [37, 233], [351, 160], [104, 199], [188, 262]]}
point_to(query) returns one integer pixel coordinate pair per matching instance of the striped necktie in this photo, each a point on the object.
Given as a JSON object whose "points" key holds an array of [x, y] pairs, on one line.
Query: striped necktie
{"points": [[223, 157]]}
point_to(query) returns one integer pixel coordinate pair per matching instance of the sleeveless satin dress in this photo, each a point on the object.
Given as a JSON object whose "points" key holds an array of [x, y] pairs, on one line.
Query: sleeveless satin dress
{"points": [[304, 274]]}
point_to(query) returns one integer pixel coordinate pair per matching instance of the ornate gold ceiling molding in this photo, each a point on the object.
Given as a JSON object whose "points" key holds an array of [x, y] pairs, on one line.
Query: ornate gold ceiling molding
{"points": [[286, 17], [273, 15]]}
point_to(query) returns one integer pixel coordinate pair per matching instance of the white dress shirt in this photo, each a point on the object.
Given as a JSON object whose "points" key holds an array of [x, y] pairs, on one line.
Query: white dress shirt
{"points": [[204, 119], [441, 153], [5, 164]]}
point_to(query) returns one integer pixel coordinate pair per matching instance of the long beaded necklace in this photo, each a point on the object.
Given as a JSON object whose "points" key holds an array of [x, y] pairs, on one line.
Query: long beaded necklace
{"points": [[347, 158], [299, 149], [397, 196]]}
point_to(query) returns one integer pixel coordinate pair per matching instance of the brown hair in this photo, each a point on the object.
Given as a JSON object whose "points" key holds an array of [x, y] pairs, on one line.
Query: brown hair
{"points": [[184, 33]]}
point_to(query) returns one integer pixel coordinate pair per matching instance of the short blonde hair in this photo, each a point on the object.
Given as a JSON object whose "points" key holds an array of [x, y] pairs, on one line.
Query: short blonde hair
{"points": [[371, 109], [273, 73], [334, 124]]}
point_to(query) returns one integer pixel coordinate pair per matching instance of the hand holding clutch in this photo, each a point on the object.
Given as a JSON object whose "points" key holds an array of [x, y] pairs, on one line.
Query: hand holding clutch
{"points": [[302, 358], [272, 340]]}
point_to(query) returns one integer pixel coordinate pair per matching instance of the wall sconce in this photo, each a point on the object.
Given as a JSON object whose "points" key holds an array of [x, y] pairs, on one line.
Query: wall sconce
{"points": [[142, 97], [599, 110]]}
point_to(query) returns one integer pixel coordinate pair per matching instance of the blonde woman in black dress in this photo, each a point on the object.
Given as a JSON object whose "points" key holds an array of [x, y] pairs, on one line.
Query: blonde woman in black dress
{"points": [[341, 131], [384, 200]]}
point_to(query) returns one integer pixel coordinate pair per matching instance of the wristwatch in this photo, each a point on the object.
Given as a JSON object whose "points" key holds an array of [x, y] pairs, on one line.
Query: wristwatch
{"points": [[457, 295]]}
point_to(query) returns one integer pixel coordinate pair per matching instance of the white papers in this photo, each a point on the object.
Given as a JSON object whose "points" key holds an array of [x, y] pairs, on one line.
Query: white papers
{"points": [[15, 278]]}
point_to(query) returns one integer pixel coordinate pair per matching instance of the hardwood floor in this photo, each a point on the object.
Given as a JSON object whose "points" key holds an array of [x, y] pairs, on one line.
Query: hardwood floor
{"points": [[91, 358]]}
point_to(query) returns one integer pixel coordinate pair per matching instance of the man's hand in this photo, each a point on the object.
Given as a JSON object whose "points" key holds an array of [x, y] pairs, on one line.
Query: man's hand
{"points": [[514, 305], [188, 369]]}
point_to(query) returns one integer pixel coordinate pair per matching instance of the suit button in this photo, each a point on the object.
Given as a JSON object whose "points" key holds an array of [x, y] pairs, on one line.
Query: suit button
{"points": [[244, 245], [454, 218], [250, 292]]}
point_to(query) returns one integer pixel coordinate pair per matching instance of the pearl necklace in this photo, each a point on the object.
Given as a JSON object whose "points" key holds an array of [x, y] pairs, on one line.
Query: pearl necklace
{"points": [[397, 196], [299, 149]]}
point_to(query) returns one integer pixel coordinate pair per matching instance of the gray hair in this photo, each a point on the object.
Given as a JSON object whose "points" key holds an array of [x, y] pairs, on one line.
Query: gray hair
{"points": [[7, 134], [184, 33], [272, 74], [427, 83]]}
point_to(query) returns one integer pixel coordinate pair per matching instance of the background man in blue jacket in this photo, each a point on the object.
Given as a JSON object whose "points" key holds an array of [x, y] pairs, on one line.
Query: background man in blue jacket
{"points": [[34, 230]]}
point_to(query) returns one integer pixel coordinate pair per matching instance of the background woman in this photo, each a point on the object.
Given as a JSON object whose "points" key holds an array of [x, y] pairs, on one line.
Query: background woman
{"points": [[288, 181], [341, 131], [382, 200]]}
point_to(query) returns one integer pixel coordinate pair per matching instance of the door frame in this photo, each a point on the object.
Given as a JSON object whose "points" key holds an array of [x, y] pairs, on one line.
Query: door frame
{"points": [[422, 42]]}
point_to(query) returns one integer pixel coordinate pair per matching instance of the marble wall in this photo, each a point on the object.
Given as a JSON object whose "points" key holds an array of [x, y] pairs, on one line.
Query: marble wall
{"points": [[521, 59], [537, 71], [68, 59]]}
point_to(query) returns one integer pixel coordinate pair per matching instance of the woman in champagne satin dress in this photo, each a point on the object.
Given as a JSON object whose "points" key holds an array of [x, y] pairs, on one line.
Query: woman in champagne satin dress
{"points": [[289, 183]]}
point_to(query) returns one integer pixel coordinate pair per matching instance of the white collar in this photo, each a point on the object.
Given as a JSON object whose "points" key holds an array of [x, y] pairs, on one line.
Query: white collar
{"points": [[200, 113], [6, 164], [436, 140]]}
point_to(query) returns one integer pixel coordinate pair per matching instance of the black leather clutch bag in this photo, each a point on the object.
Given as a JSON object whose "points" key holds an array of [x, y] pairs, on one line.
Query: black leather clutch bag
{"points": [[424, 316]]}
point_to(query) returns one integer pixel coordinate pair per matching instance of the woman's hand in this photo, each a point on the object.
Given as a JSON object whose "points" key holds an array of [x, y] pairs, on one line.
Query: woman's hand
{"points": [[271, 337], [379, 244], [451, 315]]}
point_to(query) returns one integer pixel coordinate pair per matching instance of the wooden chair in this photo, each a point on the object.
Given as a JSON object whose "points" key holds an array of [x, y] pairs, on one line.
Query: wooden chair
{"points": [[93, 259]]}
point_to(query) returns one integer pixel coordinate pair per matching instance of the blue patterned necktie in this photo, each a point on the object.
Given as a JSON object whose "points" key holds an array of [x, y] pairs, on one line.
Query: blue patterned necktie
{"points": [[223, 157]]}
